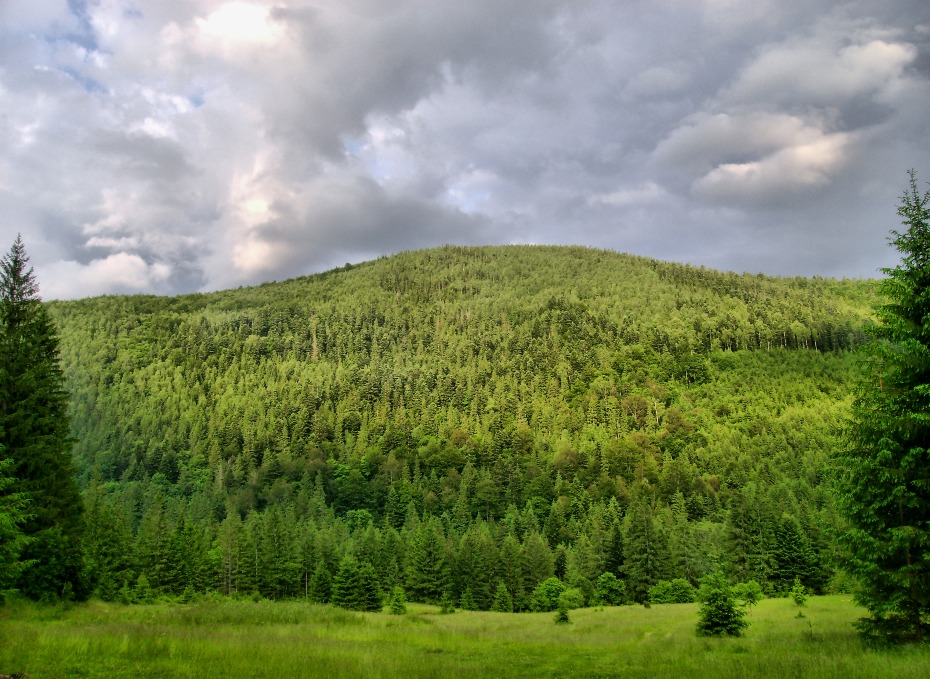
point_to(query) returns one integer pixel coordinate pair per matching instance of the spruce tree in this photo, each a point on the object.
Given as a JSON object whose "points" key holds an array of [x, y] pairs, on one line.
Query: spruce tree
{"points": [[883, 471], [34, 434], [347, 586], [321, 585], [503, 602], [428, 571], [720, 614], [13, 513]]}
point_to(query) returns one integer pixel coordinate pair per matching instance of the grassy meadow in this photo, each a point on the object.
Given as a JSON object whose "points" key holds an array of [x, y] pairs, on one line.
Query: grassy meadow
{"points": [[247, 639]]}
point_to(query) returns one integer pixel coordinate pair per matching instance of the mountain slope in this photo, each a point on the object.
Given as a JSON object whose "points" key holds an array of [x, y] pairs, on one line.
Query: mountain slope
{"points": [[473, 380]]}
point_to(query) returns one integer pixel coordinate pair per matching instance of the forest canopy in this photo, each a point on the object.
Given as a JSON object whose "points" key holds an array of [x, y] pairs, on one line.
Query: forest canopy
{"points": [[588, 411]]}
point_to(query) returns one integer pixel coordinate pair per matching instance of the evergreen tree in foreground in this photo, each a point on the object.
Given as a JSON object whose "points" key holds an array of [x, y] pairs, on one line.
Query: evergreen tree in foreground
{"points": [[720, 614], [13, 513], [34, 434], [884, 472]]}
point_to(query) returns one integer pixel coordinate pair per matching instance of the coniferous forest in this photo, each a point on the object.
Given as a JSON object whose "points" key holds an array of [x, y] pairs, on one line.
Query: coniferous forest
{"points": [[490, 428]]}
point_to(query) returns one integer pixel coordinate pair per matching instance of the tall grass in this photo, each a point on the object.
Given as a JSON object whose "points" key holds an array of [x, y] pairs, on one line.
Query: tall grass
{"points": [[246, 639]]}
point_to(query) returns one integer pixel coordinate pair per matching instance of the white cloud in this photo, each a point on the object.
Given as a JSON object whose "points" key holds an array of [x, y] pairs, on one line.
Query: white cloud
{"points": [[118, 273], [822, 73], [777, 177]]}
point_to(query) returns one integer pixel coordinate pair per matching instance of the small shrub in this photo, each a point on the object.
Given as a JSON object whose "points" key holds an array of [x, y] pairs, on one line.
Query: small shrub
{"points": [[561, 615], [799, 595], [398, 602], [750, 593], [678, 591], [571, 598]]}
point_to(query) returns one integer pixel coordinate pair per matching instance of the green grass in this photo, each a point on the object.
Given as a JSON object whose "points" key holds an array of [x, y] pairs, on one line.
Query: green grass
{"points": [[245, 639]]}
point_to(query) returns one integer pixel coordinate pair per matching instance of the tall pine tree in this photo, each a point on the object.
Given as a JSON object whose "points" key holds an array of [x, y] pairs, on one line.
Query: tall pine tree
{"points": [[884, 478], [34, 433]]}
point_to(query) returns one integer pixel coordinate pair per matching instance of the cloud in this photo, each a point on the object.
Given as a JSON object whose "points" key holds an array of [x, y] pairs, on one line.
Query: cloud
{"points": [[118, 273], [228, 142]]}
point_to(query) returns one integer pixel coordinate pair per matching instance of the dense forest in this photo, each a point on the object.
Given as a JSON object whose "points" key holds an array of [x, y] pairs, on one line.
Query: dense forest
{"points": [[465, 424]]}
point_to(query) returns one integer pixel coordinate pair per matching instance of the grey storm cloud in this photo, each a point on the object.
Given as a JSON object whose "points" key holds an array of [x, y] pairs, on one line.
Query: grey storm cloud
{"points": [[181, 145]]}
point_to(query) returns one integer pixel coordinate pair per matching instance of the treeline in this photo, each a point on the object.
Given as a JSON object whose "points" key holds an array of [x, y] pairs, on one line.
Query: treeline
{"points": [[523, 396], [140, 548]]}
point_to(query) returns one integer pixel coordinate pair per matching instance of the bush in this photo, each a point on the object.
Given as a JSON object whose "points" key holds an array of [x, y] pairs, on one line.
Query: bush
{"points": [[677, 591], [571, 598], [546, 596], [610, 591]]}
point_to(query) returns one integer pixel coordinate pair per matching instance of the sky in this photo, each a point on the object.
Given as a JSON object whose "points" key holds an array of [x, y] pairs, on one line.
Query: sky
{"points": [[174, 146]]}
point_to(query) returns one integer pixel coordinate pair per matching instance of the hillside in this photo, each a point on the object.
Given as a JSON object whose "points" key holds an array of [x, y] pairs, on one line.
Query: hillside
{"points": [[545, 393]]}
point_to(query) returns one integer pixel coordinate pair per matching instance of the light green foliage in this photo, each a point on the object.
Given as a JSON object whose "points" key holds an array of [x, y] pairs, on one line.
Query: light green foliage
{"points": [[503, 601], [546, 596], [398, 602], [462, 416], [798, 593], [217, 639], [571, 598], [750, 593], [882, 481], [677, 591]]}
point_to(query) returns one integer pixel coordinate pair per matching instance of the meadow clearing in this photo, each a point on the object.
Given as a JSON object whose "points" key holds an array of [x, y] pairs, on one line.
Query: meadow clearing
{"points": [[225, 638]]}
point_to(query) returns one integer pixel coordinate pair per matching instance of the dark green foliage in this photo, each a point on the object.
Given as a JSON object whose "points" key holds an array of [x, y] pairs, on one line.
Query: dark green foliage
{"points": [[561, 615], [320, 590], [719, 614], [467, 600], [14, 510], [645, 552], [883, 486], [108, 546], [794, 555], [428, 572], [355, 586], [35, 436], [546, 596], [677, 591]]}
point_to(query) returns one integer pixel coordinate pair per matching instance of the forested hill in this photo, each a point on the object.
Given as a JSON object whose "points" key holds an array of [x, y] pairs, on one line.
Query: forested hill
{"points": [[520, 386]]}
